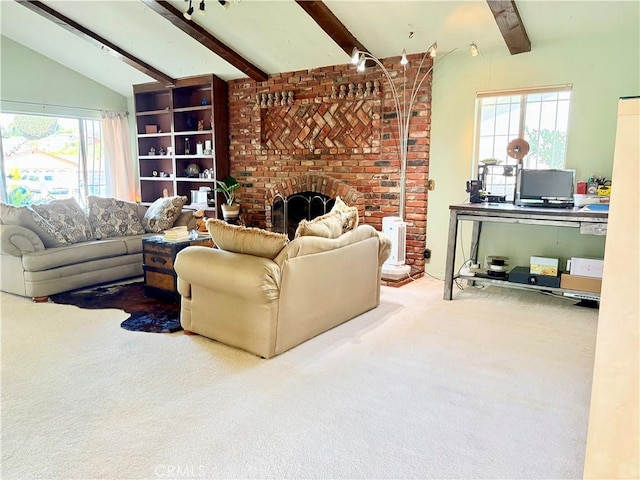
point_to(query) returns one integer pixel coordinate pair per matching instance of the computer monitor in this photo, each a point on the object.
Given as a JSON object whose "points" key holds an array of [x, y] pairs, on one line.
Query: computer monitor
{"points": [[545, 188]]}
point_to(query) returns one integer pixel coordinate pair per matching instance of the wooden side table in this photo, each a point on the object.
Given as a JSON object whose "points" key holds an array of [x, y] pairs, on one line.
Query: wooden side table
{"points": [[159, 255]]}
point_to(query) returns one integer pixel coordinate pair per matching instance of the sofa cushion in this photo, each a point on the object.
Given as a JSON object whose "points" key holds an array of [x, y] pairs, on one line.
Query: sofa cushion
{"points": [[24, 217], [247, 240], [110, 217], [64, 220], [329, 225], [162, 213], [74, 254]]}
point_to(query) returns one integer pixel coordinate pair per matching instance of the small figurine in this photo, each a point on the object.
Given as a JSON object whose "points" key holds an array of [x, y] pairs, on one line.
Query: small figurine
{"points": [[204, 101], [152, 151], [201, 221], [200, 124]]}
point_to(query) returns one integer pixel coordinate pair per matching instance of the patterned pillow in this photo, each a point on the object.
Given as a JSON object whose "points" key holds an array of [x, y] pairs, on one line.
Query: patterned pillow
{"points": [[64, 220], [162, 213], [328, 226], [24, 217], [113, 218], [247, 240], [349, 214]]}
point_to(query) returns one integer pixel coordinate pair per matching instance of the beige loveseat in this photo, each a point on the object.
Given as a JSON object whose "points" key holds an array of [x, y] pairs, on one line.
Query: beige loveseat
{"points": [[269, 305], [57, 247]]}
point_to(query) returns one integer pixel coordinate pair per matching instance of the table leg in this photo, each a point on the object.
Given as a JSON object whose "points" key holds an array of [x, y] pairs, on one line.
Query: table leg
{"points": [[475, 241], [451, 255]]}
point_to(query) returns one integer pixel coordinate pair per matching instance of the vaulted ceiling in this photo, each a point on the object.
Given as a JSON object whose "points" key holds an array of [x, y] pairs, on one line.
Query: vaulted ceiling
{"points": [[254, 38]]}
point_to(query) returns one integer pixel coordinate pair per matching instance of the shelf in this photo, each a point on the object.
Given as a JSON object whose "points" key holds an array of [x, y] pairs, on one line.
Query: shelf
{"points": [[154, 135], [522, 286], [195, 179], [177, 111], [191, 109], [193, 132], [153, 112]]}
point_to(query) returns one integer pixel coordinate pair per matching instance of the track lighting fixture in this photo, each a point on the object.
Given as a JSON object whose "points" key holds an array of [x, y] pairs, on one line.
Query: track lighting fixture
{"points": [[202, 9], [189, 11]]}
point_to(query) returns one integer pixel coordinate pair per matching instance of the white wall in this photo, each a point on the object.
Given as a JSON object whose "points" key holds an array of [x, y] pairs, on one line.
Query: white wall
{"points": [[600, 69], [29, 80]]}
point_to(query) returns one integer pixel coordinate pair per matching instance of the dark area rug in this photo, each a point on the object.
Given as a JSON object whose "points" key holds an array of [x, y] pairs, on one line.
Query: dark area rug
{"points": [[147, 314]]}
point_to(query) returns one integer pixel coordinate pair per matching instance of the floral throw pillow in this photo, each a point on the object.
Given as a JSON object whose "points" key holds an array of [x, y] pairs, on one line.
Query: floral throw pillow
{"points": [[64, 220], [110, 217], [162, 213]]}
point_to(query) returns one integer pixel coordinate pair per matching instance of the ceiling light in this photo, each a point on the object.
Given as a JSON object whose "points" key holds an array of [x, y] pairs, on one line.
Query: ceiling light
{"points": [[188, 13], [201, 11], [403, 60], [355, 55], [473, 48], [433, 50]]}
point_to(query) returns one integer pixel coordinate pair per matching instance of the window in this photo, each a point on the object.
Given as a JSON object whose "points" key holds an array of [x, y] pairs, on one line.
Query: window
{"points": [[540, 116], [45, 158]]}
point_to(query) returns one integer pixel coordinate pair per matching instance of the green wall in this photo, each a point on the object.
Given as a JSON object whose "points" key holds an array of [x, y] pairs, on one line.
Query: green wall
{"points": [[30, 78], [600, 69]]}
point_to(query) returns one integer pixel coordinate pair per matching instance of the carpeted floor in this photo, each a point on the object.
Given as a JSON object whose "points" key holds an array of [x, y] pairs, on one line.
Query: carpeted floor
{"points": [[494, 384]]}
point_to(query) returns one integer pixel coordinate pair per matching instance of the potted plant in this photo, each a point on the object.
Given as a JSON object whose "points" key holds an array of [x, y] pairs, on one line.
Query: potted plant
{"points": [[227, 187]]}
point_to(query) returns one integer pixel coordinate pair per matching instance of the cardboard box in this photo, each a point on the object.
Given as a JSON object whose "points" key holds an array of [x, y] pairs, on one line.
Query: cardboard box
{"points": [[544, 266], [581, 284], [151, 129], [586, 267]]}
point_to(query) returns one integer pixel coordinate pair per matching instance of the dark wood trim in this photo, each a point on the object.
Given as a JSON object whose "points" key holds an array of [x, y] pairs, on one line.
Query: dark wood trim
{"points": [[331, 25], [511, 26], [199, 34], [104, 45]]}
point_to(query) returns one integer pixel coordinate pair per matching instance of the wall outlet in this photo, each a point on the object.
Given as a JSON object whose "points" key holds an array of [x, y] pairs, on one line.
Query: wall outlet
{"points": [[427, 253]]}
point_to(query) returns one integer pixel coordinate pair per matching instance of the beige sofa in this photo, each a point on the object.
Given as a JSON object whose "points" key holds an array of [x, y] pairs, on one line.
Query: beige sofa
{"points": [[269, 305], [34, 263]]}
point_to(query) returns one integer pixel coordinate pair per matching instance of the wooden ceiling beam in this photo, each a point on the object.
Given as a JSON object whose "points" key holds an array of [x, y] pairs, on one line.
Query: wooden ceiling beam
{"points": [[93, 38], [511, 26], [333, 27], [199, 34]]}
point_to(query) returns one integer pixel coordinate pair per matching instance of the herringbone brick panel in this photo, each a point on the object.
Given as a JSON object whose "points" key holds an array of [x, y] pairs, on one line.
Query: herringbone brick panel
{"points": [[343, 124]]}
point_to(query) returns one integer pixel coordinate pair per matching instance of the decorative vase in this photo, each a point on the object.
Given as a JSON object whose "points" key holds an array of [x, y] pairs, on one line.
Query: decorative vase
{"points": [[230, 212]]}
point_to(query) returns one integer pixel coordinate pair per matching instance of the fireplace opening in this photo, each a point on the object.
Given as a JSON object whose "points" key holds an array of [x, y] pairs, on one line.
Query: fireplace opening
{"points": [[288, 212]]}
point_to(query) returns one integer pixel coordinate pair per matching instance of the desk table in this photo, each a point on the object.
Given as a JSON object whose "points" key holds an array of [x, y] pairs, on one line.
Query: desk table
{"points": [[589, 222]]}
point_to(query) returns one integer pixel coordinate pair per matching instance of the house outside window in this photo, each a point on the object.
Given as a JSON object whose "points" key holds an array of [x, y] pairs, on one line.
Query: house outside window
{"points": [[539, 115], [46, 158]]}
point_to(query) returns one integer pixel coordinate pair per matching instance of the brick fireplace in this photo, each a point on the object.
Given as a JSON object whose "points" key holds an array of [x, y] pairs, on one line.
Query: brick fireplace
{"points": [[333, 131]]}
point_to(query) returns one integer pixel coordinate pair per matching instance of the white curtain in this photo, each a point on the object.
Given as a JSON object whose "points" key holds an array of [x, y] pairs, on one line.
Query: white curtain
{"points": [[120, 172]]}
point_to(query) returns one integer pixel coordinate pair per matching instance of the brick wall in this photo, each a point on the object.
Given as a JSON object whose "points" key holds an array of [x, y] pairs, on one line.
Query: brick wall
{"points": [[351, 139]]}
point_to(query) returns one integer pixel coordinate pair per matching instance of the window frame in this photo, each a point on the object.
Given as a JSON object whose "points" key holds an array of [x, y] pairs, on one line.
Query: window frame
{"points": [[523, 93]]}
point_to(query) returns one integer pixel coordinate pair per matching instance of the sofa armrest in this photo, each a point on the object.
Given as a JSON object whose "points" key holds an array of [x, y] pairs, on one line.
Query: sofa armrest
{"points": [[16, 240], [236, 274]]}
